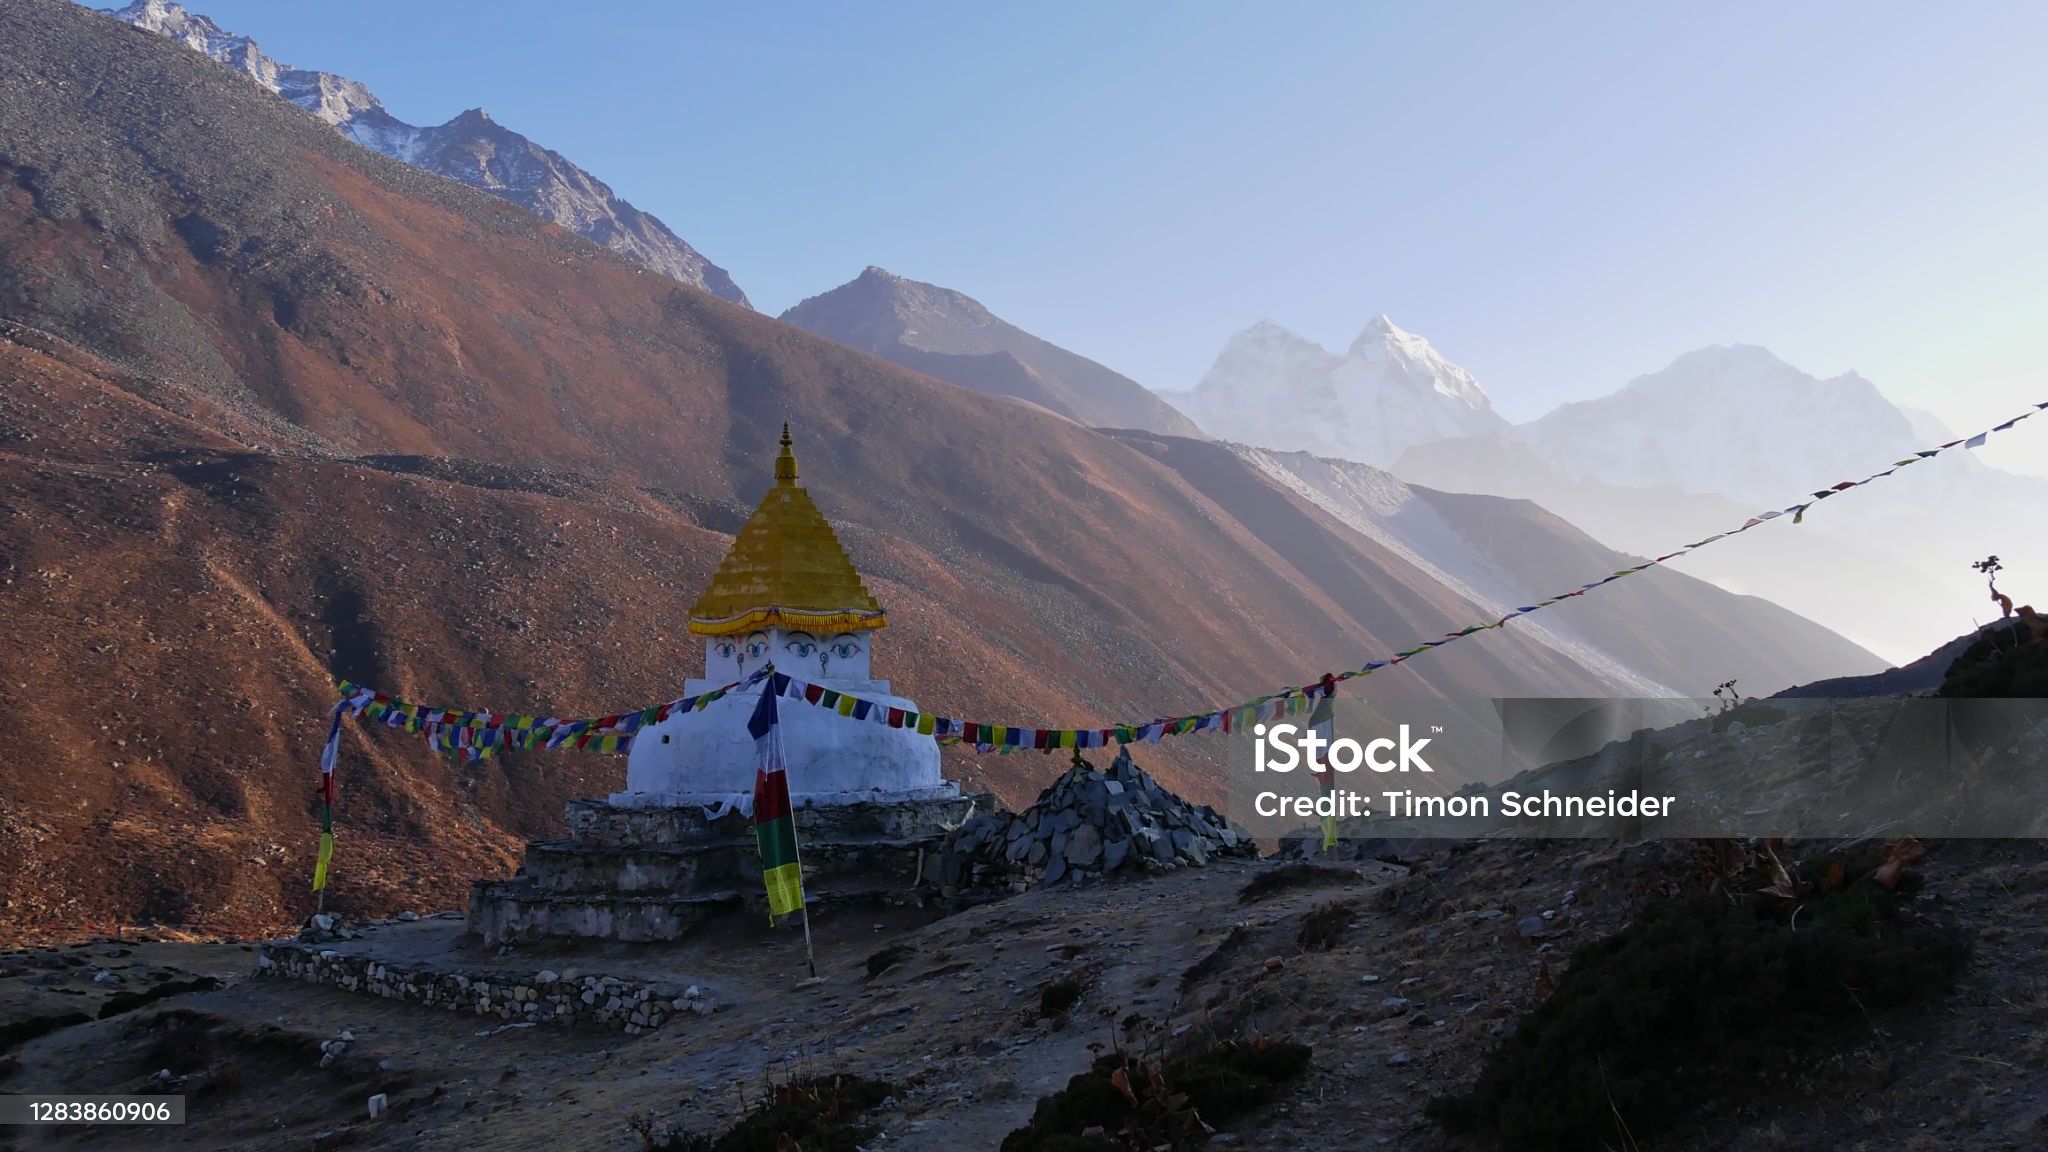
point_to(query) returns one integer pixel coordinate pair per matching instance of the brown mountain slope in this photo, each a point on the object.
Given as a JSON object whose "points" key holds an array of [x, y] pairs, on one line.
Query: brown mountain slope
{"points": [[279, 409], [175, 605]]}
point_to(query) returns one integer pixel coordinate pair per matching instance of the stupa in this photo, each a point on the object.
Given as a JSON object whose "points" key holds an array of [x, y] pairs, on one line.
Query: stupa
{"points": [[788, 594], [675, 846]]}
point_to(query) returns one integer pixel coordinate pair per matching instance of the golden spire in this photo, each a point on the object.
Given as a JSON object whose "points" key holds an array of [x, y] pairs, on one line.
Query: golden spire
{"points": [[786, 570], [785, 463]]}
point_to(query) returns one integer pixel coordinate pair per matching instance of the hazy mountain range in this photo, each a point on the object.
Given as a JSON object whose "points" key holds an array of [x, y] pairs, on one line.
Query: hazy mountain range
{"points": [[1733, 420], [471, 148], [282, 409], [1674, 456], [1724, 433], [1390, 389]]}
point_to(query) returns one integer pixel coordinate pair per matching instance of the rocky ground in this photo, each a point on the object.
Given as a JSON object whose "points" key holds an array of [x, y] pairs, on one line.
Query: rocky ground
{"points": [[1400, 977]]}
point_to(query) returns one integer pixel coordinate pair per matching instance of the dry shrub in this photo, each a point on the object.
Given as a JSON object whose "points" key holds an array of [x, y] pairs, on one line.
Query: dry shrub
{"points": [[1700, 998]]}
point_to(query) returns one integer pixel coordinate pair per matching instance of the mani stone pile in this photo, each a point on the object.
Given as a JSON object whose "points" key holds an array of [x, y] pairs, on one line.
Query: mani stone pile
{"points": [[1088, 824]]}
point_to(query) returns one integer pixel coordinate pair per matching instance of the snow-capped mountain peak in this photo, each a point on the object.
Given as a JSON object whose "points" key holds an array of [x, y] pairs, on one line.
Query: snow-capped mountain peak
{"points": [[1382, 328], [1274, 388], [472, 149], [1261, 362], [173, 22], [332, 98], [1729, 418], [1407, 358]]}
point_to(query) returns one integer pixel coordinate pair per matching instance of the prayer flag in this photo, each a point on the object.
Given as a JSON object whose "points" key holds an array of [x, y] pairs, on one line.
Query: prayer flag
{"points": [[1323, 722], [774, 820]]}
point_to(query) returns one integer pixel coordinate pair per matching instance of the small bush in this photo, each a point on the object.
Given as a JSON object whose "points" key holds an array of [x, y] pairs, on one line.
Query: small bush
{"points": [[1322, 929], [181, 1042], [817, 1115], [1213, 960], [887, 958], [1290, 876], [1229, 1080], [121, 1002], [2003, 662], [1695, 1000], [16, 1032], [1125, 1103], [1055, 998]]}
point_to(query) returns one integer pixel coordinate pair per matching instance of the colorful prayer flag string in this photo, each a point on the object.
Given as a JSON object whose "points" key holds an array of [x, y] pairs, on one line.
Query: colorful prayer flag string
{"points": [[1004, 739], [476, 735], [480, 734]]}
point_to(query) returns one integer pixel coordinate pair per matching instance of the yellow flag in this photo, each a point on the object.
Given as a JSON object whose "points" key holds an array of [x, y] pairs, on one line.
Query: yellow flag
{"points": [[320, 865]]}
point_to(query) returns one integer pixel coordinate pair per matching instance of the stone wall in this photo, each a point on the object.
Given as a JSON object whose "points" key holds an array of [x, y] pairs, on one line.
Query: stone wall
{"points": [[599, 824], [537, 998], [642, 874]]}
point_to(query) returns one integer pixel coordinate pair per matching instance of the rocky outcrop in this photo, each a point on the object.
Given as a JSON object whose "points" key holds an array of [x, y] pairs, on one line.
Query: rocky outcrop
{"points": [[471, 149], [1086, 825]]}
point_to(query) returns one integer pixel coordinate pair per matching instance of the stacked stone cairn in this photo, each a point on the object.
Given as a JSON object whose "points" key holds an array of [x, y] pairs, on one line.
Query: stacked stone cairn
{"points": [[1086, 825]]}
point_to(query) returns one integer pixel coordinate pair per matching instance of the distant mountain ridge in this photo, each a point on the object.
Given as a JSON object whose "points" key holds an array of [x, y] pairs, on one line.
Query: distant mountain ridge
{"points": [[1727, 431], [471, 148], [952, 336], [1277, 389], [1733, 419]]}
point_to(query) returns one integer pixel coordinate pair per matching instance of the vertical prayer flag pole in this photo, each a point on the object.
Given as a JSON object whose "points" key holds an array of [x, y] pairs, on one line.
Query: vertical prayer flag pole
{"points": [[1323, 722], [328, 754], [782, 870]]}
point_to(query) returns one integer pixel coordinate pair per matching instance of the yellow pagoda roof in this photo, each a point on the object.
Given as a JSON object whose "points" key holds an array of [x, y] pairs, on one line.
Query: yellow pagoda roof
{"points": [[786, 570]]}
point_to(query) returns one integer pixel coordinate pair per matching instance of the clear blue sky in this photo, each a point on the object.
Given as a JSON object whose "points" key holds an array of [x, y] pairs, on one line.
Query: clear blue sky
{"points": [[1560, 196]]}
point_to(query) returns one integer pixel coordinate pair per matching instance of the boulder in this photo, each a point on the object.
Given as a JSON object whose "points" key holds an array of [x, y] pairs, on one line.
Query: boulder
{"points": [[1084, 847]]}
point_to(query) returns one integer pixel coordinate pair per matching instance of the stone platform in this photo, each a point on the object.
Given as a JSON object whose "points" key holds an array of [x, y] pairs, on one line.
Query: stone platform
{"points": [[645, 874]]}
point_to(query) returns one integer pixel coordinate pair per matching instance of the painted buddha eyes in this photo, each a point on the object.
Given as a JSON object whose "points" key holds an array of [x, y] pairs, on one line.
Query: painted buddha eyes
{"points": [[804, 646], [744, 652]]}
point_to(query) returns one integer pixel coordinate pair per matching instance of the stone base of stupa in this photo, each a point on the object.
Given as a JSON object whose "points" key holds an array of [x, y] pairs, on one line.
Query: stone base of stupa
{"points": [[656, 873]]}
